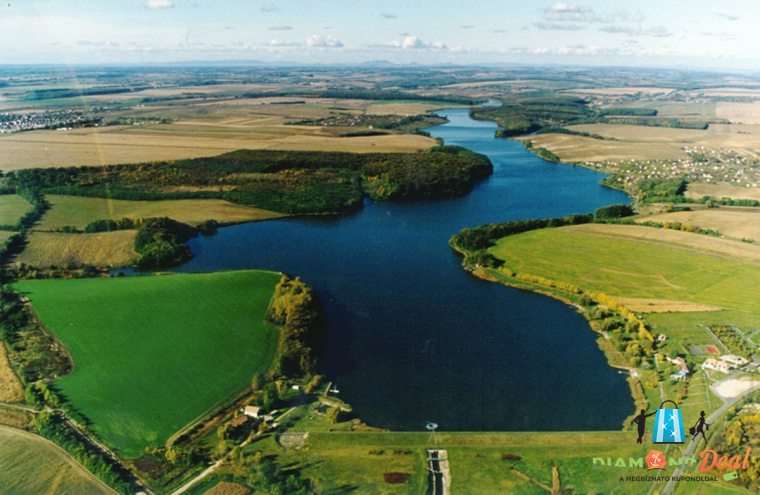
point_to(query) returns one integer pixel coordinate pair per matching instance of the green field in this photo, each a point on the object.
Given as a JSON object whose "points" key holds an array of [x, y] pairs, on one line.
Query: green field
{"points": [[12, 207], [153, 353], [630, 268], [31, 465]]}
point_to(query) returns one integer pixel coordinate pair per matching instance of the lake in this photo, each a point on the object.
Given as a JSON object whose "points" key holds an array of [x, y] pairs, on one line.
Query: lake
{"points": [[413, 337]]}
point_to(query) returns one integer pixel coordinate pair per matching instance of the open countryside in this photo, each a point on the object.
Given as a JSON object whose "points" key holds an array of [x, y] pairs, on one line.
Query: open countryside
{"points": [[152, 354]]}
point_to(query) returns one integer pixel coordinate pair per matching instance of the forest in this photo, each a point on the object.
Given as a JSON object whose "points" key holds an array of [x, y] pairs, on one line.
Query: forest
{"points": [[292, 182]]}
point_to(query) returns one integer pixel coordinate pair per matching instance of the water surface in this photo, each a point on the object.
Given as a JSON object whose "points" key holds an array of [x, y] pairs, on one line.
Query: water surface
{"points": [[413, 337]]}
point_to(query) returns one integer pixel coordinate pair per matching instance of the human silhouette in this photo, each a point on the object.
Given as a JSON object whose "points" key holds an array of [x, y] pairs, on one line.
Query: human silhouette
{"points": [[641, 419], [699, 427]]}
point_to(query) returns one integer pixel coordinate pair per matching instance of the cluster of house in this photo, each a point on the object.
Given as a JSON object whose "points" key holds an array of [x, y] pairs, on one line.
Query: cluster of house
{"points": [[725, 363], [10, 123], [252, 412]]}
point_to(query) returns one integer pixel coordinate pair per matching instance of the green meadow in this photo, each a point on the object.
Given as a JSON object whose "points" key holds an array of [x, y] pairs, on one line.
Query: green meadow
{"points": [[629, 268], [12, 207], [153, 353]]}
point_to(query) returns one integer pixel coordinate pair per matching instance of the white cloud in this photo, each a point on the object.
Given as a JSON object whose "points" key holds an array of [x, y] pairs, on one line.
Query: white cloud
{"points": [[328, 41], [553, 26], [569, 12], [414, 43], [276, 42], [159, 4], [637, 30]]}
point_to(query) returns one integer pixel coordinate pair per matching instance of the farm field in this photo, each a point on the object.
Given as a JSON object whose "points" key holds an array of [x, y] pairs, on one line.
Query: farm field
{"points": [[31, 465], [632, 142], [107, 249], [12, 207], [5, 234], [11, 389], [79, 211], [153, 353], [699, 190], [639, 262], [207, 129], [738, 224]]}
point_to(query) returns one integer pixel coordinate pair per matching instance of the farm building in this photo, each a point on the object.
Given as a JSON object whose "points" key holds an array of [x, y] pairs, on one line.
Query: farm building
{"points": [[252, 411]]}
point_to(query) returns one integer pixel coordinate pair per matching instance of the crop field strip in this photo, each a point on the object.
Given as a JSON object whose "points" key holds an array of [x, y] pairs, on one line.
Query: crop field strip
{"points": [[153, 353], [31, 465], [736, 223], [11, 389], [107, 249], [80, 211]]}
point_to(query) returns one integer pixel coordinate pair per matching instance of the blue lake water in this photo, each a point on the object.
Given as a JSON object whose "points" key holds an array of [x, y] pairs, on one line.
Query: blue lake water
{"points": [[413, 337]]}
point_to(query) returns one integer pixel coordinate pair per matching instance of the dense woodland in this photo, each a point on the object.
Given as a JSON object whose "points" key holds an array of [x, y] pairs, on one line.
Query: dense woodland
{"points": [[292, 182]]}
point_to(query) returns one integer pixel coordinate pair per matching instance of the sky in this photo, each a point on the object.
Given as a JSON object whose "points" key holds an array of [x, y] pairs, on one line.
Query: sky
{"points": [[661, 33]]}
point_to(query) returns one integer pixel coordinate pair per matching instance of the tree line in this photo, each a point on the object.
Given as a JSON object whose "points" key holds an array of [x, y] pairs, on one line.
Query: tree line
{"points": [[284, 181]]}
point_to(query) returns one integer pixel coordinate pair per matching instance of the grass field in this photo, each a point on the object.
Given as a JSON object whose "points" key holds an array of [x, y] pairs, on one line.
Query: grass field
{"points": [[640, 262], [79, 211], [738, 224], [31, 465], [5, 235], [699, 190], [108, 249], [354, 462], [12, 207], [153, 353]]}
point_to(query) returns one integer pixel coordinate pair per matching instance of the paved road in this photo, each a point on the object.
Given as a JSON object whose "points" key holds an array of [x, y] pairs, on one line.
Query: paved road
{"points": [[694, 444]]}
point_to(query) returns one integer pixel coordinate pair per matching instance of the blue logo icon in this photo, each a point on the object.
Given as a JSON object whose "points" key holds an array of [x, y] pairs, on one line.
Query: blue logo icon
{"points": [[668, 425]]}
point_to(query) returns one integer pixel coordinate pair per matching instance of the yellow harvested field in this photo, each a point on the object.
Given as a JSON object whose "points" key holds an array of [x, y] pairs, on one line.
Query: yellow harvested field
{"points": [[32, 465], [108, 249], [632, 142], [753, 93], [699, 190], [735, 223], [403, 108], [622, 91], [703, 244], [227, 488], [738, 113], [15, 418], [11, 389], [199, 131], [78, 211], [571, 148], [640, 305], [12, 207]]}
